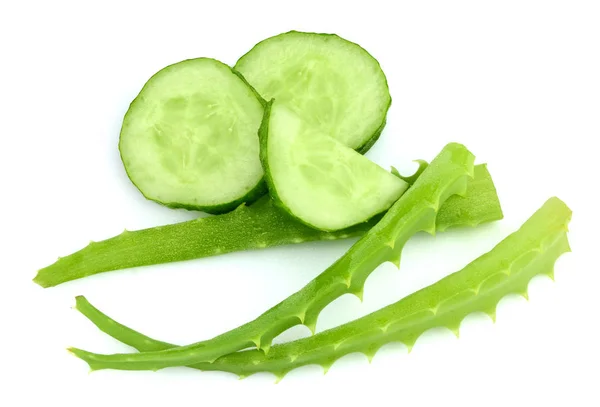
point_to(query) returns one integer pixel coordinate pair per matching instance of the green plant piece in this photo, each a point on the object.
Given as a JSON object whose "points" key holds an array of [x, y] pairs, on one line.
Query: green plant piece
{"points": [[319, 180], [189, 139], [415, 211], [480, 205], [411, 179], [479, 286], [257, 226], [334, 85]]}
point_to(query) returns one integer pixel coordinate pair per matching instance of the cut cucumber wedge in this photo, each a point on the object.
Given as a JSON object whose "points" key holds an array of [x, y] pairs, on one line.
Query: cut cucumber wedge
{"points": [[333, 85], [319, 180], [190, 138]]}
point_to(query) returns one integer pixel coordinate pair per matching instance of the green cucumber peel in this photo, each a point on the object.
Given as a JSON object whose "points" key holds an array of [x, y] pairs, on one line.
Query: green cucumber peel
{"points": [[415, 211], [317, 179], [257, 226], [478, 287]]}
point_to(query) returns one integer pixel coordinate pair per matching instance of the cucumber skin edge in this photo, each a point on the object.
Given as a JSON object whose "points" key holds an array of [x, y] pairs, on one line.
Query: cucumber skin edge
{"points": [[371, 141], [366, 146], [262, 100], [256, 192], [263, 137]]}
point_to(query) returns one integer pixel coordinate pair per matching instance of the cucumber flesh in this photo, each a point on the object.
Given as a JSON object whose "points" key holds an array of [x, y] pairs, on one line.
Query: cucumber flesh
{"points": [[318, 179], [189, 139], [333, 84]]}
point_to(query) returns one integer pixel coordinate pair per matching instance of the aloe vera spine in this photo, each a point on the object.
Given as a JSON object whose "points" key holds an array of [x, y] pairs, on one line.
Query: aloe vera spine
{"points": [[257, 226], [415, 211], [506, 269]]}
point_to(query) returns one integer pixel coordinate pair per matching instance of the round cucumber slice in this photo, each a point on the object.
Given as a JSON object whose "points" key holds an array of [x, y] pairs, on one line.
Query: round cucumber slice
{"points": [[319, 180], [333, 84], [190, 138]]}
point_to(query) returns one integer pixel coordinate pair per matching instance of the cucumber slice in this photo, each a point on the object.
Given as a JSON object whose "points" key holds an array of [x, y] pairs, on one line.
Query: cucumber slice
{"points": [[319, 180], [190, 138], [333, 85]]}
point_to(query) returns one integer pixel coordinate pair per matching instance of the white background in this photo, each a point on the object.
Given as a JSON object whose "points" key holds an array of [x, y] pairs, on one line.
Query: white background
{"points": [[518, 82]]}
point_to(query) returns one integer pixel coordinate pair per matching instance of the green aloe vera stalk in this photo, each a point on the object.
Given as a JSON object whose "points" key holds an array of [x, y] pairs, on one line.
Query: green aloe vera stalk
{"points": [[506, 269], [415, 211], [257, 226]]}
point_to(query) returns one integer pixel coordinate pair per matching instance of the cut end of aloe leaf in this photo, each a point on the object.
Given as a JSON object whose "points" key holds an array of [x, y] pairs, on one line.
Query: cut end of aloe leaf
{"points": [[39, 280], [333, 84], [318, 179], [189, 139], [81, 354]]}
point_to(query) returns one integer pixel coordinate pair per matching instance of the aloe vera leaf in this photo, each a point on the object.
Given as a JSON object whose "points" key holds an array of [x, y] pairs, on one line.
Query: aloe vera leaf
{"points": [[479, 205], [415, 211], [248, 227], [479, 286]]}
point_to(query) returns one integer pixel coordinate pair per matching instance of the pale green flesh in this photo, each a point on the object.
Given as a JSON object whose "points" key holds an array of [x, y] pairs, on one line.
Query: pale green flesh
{"points": [[190, 138], [332, 84], [321, 181]]}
